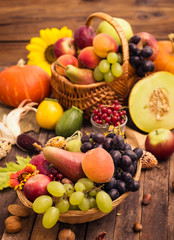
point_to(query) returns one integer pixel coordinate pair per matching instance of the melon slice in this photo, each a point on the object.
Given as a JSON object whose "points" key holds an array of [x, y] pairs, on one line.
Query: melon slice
{"points": [[151, 102]]}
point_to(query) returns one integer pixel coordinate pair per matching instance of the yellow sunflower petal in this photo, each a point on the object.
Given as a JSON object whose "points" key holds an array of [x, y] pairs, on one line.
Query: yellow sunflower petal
{"points": [[34, 47], [36, 55], [33, 62], [66, 32], [45, 35], [38, 41], [56, 33]]}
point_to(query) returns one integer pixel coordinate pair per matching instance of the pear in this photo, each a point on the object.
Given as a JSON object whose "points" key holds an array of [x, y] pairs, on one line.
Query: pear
{"points": [[81, 76], [68, 163]]}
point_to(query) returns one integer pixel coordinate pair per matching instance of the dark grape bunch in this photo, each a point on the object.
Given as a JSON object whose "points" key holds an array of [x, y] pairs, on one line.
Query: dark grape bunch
{"points": [[139, 58], [113, 114], [125, 161]]}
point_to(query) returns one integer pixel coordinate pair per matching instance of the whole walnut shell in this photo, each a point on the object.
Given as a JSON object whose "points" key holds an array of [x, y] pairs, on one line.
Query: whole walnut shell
{"points": [[66, 234], [13, 224]]}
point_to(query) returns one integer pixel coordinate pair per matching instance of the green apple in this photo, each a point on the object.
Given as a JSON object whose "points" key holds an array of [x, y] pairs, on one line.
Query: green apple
{"points": [[105, 27]]}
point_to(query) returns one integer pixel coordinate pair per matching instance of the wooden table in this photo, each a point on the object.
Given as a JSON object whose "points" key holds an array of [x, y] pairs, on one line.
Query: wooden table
{"points": [[21, 20]]}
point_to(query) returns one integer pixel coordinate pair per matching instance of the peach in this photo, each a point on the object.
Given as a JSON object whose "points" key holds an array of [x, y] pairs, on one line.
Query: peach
{"points": [[65, 60], [87, 58], [98, 165], [103, 43]]}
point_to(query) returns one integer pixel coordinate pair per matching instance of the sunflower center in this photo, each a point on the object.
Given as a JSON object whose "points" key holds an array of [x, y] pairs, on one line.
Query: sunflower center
{"points": [[49, 54]]}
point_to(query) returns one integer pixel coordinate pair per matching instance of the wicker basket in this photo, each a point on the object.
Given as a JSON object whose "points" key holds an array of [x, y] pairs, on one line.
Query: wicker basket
{"points": [[75, 217], [87, 97]]}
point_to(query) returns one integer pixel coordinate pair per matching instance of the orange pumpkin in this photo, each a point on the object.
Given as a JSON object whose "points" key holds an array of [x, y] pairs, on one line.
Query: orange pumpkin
{"points": [[21, 82], [165, 58]]}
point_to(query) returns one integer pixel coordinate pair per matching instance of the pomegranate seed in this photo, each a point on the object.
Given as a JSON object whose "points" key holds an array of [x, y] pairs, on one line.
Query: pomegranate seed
{"points": [[103, 109], [96, 111], [114, 119], [109, 111], [97, 121], [99, 114], [104, 115], [116, 107], [95, 117], [115, 102], [107, 119]]}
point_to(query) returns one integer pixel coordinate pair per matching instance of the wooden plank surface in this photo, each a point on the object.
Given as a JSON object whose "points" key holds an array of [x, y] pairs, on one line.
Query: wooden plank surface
{"points": [[21, 20]]}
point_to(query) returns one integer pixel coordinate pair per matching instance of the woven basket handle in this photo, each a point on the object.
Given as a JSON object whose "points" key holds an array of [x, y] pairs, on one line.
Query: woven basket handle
{"points": [[117, 27]]}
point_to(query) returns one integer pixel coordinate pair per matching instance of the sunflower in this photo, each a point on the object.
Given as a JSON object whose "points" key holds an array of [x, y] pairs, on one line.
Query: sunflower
{"points": [[41, 48], [18, 179]]}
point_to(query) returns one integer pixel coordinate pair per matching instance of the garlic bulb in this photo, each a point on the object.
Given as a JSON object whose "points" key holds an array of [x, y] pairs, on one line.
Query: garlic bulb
{"points": [[22, 119]]}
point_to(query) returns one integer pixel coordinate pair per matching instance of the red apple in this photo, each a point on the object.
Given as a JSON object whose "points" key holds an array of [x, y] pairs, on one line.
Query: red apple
{"points": [[36, 186], [160, 143], [148, 39], [63, 46], [41, 163], [83, 36]]}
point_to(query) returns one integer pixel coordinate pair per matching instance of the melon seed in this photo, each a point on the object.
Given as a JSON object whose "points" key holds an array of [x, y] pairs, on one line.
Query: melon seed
{"points": [[159, 103]]}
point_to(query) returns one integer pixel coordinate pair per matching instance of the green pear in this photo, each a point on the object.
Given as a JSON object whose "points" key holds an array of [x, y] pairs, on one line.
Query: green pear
{"points": [[105, 27]]}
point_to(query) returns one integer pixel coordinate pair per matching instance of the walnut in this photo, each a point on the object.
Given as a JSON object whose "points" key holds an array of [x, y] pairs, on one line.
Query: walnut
{"points": [[66, 234], [138, 227], [13, 224]]}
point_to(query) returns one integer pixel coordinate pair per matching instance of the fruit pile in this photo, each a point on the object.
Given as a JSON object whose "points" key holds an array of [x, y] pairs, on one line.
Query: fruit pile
{"points": [[94, 56], [113, 114], [101, 172], [125, 161]]}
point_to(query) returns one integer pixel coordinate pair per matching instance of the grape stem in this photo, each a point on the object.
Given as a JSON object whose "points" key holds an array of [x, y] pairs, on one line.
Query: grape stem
{"points": [[95, 188]]}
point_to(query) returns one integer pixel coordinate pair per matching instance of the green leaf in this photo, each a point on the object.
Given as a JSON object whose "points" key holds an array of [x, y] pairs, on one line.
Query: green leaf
{"points": [[12, 167]]}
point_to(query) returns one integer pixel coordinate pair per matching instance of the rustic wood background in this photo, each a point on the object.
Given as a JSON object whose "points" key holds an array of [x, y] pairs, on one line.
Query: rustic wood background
{"points": [[21, 20]]}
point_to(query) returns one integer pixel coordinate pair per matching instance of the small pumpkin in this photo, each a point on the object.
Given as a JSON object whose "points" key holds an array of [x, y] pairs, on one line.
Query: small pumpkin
{"points": [[165, 58], [20, 82]]}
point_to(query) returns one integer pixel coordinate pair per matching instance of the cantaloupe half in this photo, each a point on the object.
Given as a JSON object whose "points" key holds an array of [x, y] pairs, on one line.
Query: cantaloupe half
{"points": [[151, 102]]}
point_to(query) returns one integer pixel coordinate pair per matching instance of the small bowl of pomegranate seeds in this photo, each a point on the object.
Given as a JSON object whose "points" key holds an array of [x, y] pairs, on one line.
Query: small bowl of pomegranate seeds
{"points": [[106, 116]]}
